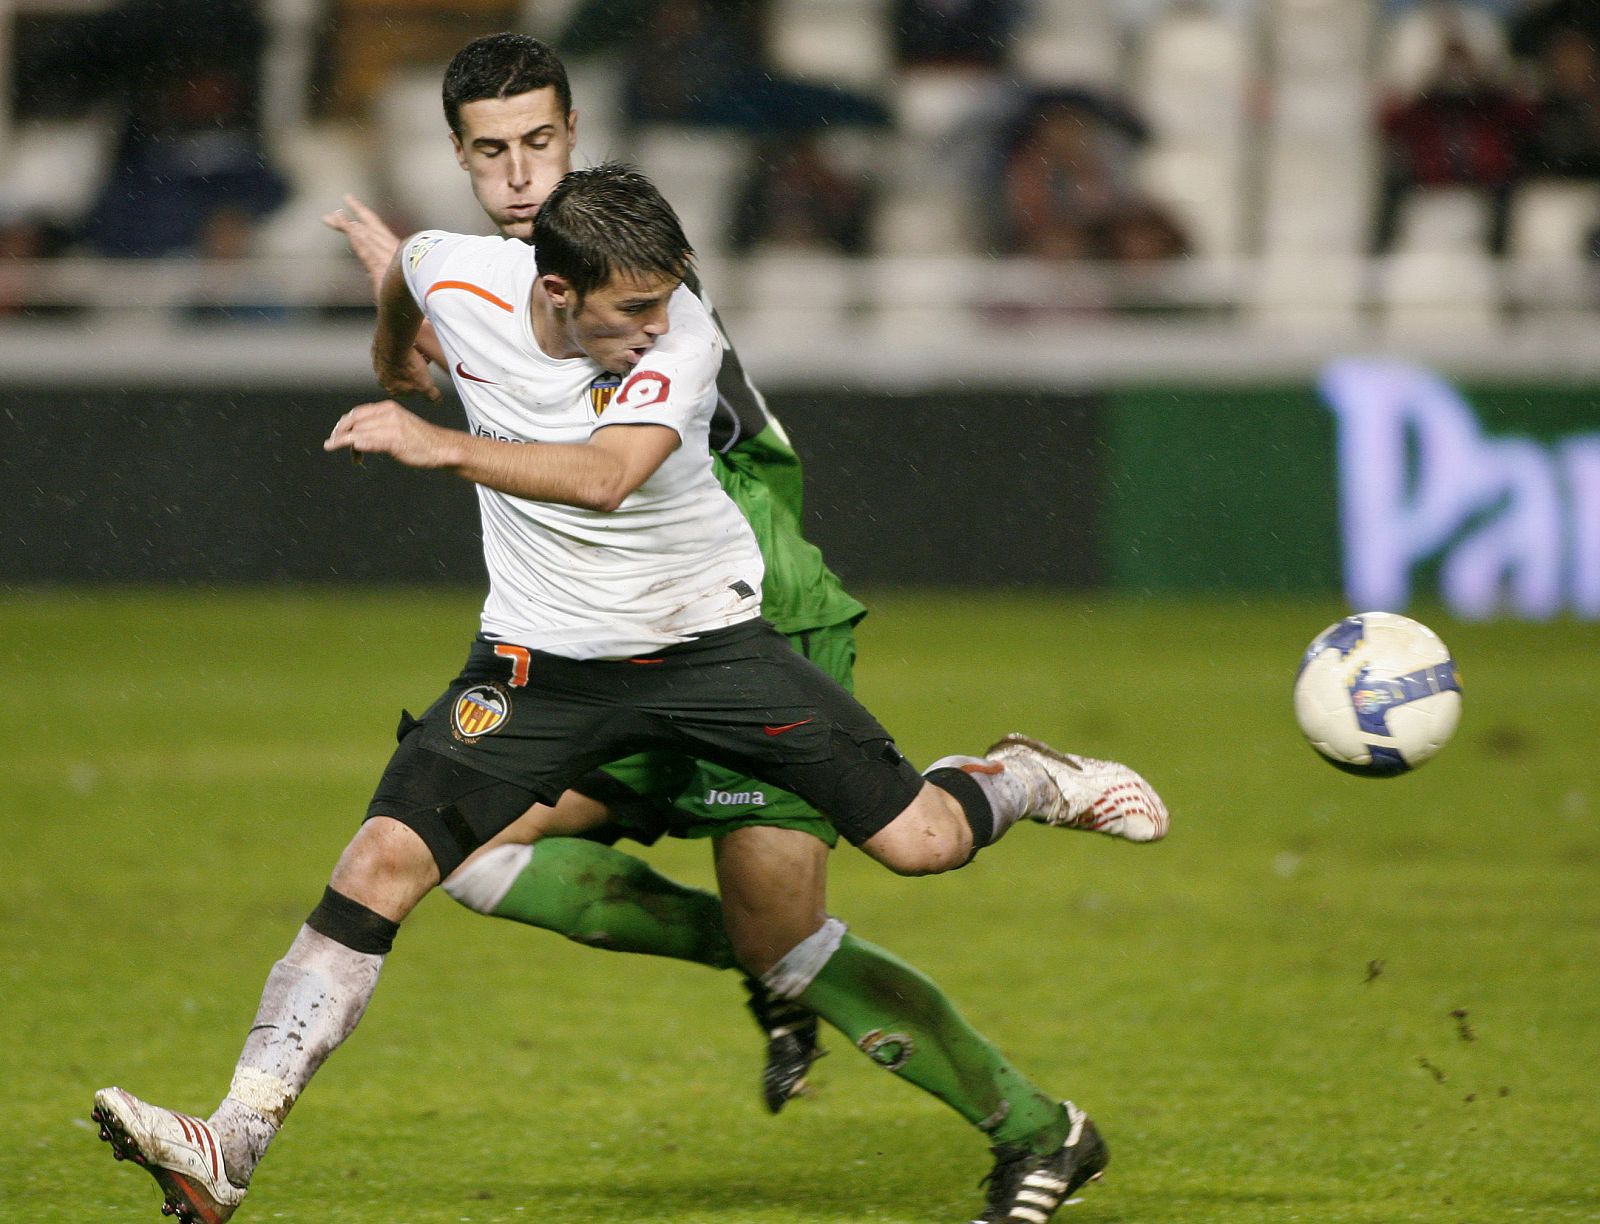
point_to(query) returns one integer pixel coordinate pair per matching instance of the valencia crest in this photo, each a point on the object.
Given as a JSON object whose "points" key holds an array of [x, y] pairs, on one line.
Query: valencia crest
{"points": [[601, 391], [481, 710]]}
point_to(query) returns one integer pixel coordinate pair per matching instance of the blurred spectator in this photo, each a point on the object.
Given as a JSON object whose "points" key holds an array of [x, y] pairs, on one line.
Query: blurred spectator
{"points": [[1462, 129], [1069, 189], [1144, 232], [1565, 140], [959, 33], [185, 75], [370, 40], [1413, 42], [794, 197], [705, 62], [24, 240], [1538, 21]]}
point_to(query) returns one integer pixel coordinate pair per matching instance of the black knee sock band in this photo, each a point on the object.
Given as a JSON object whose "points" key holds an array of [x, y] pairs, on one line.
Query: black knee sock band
{"points": [[353, 924], [974, 803]]}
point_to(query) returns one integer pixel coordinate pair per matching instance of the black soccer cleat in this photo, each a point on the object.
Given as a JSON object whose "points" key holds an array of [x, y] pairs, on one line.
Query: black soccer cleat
{"points": [[791, 1031], [1026, 1187]]}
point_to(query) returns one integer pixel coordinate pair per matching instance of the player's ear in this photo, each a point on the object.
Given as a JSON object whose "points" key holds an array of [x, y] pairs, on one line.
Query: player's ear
{"points": [[572, 129], [559, 290], [461, 153]]}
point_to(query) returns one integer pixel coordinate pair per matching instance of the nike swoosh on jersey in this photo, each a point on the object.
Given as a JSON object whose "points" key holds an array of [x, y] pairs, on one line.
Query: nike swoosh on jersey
{"points": [[462, 370], [787, 726]]}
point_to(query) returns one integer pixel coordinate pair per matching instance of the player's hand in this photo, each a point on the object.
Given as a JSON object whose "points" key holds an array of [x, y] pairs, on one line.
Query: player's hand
{"points": [[385, 428], [404, 373], [371, 240]]}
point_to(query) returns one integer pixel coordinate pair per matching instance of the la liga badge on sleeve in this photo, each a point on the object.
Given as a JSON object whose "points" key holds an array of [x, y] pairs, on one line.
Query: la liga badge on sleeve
{"points": [[643, 388], [418, 248], [480, 710]]}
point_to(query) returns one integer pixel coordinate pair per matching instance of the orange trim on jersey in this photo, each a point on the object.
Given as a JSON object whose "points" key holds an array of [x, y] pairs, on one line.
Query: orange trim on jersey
{"points": [[983, 767], [471, 288]]}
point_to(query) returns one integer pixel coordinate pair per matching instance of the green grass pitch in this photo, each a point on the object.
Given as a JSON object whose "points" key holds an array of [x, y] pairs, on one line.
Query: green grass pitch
{"points": [[1322, 999]]}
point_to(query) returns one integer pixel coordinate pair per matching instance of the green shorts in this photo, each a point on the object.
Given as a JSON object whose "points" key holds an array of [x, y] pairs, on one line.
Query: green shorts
{"points": [[656, 793]]}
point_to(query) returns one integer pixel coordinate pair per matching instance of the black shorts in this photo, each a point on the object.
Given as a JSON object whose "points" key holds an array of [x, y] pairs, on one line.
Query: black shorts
{"points": [[518, 726]]}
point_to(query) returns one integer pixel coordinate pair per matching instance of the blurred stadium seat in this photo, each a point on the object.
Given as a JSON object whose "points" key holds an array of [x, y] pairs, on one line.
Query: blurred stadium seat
{"points": [[1191, 78], [1443, 221], [1554, 228], [777, 287], [841, 42], [415, 164], [945, 121], [1070, 42], [55, 168], [1316, 157], [1440, 275], [597, 97], [1555, 220], [1430, 292], [698, 169], [1193, 74], [325, 162]]}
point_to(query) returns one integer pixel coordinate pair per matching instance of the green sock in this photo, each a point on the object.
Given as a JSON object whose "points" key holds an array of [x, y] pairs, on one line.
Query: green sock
{"points": [[901, 1021], [599, 896]]}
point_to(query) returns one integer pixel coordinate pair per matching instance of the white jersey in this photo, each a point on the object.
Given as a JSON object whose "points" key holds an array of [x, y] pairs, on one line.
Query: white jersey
{"points": [[676, 558]]}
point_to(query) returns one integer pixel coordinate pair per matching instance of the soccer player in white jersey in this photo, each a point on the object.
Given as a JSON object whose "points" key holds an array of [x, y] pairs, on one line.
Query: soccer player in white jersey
{"points": [[508, 106], [639, 627], [512, 127]]}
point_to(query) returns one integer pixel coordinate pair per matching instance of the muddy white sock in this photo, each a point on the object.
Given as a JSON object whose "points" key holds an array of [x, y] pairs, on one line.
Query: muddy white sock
{"points": [[992, 794], [312, 1001]]}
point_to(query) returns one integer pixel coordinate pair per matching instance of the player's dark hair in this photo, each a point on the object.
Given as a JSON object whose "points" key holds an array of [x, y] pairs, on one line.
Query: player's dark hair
{"points": [[605, 220], [502, 66]]}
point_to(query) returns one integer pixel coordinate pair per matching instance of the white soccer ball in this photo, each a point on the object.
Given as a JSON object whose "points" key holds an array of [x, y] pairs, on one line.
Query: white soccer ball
{"points": [[1377, 694]]}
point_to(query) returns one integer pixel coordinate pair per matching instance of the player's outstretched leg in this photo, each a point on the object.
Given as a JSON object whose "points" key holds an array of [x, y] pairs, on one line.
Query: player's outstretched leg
{"points": [[1043, 1148], [597, 895], [1024, 778], [180, 1152]]}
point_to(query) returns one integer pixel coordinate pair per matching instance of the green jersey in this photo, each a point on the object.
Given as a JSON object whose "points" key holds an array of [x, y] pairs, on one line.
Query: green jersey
{"points": [[761, 472]]}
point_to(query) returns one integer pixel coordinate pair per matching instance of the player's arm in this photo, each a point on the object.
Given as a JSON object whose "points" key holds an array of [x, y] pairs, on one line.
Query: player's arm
{"points": [[594, 475], [373, 244], [401, 370]]}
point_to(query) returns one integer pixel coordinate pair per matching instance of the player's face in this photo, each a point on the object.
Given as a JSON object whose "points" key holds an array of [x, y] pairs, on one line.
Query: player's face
{"points": [[516, 149], [618, 323]]}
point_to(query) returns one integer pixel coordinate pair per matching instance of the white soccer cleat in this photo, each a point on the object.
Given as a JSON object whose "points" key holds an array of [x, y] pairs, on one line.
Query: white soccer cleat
{"points": [[1082, 793], [180, 1152]]}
